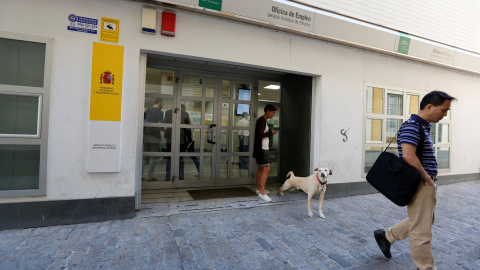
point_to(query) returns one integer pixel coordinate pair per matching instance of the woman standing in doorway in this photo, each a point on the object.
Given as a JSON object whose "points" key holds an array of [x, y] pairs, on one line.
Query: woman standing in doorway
{"points": [[260, 150]]}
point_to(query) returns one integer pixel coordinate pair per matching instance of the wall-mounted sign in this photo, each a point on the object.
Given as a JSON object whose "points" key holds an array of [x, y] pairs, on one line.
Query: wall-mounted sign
{"points": [[105, 108], [274, 12], [430, 51], [301, 16], [106, 91], [109, 30], [403, 43], [211, 4], [82, 24], [441, 55]]}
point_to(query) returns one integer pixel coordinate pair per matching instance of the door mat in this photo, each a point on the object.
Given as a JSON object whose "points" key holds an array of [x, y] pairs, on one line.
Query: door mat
{"points": [[207, 194]]}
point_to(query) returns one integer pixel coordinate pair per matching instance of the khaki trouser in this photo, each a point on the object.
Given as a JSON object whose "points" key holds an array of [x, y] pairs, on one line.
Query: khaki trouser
{"points": [[418, 226]]}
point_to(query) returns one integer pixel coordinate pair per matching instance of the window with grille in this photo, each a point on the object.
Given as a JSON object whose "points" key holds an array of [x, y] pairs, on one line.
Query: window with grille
{"points": [[385, 111]]}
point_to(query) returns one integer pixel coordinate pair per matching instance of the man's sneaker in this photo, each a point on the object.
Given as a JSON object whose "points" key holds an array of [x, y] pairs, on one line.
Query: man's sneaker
{"points": [[258, 191], [382, 242], [264, 197]]}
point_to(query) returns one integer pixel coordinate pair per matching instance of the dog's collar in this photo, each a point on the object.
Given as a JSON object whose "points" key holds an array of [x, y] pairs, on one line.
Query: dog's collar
{"points": [[320, 181]]}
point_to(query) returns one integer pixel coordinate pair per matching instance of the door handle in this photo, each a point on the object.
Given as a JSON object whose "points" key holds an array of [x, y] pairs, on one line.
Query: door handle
{"points": [[211, 138]]}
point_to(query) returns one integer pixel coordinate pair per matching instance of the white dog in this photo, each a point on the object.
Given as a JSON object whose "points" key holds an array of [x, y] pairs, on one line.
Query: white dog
{"points": [[312, 184]]}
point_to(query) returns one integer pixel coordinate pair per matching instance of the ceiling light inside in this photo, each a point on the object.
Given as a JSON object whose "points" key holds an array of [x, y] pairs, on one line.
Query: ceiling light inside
{"points": [[272, 86]]}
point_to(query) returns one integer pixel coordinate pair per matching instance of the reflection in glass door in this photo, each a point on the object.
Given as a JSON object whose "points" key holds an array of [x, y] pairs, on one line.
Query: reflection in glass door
{"points": [[194, 127], [236, 145], [198, 130], [159, 89], [178, 116]]}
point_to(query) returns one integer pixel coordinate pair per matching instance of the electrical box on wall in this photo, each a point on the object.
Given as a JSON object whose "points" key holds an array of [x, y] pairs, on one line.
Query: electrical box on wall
{"points": [[168, 23], [149, 20]]}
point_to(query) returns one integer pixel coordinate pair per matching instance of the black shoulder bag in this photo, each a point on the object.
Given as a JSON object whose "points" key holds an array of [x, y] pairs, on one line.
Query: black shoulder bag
{"points": [[394, 177]]}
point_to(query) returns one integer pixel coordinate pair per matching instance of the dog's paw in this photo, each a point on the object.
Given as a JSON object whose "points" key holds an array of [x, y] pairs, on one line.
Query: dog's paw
{"points": [[310, 214], [322, 215]]}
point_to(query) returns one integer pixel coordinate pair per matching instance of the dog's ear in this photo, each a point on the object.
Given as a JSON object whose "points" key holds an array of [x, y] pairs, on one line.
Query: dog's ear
{"points": [[316, 169], [330, 172]]}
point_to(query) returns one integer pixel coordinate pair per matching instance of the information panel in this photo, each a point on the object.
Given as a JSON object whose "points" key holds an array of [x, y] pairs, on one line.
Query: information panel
{"points": [[105, 108]]}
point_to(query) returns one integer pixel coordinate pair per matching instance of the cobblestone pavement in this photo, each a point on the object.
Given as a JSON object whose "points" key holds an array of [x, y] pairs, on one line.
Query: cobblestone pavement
{"points": [[277, 235]]}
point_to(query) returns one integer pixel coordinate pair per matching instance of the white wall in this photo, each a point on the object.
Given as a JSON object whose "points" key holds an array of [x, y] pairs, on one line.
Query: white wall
{"points": [[340, 72]]}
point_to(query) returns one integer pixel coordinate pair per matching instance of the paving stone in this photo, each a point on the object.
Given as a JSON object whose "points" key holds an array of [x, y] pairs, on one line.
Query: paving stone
{"points": [[57, 264], [264, 244], [316, 264], [186, 253], [315, 253], [156, 256], [340, 260], [76, 258], [244, 233]]}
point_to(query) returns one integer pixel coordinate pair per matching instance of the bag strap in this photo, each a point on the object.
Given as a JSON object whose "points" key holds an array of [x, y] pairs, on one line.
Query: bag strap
{"points": [[392, 139], [421, 143]]}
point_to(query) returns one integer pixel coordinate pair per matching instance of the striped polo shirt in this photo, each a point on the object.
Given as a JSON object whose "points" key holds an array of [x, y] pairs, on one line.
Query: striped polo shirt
{"points": [[409, 133]]}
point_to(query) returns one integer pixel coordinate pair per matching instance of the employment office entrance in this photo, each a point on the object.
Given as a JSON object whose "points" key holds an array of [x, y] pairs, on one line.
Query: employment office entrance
{"points": [[198, 126]]}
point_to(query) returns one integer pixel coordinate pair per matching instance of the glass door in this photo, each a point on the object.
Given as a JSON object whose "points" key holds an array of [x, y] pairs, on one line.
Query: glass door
{"points": [[159, 98], [235, 132], [178, 142], [194, 125], [198, 129]]}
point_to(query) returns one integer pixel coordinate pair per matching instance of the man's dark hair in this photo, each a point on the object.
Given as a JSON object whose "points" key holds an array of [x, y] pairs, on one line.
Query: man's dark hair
{"points": [[435, 98], [157, 100], [269, 107]]}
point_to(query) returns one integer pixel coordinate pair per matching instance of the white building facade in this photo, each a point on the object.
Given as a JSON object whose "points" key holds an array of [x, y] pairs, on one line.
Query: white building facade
{"points": [[77, 80]]}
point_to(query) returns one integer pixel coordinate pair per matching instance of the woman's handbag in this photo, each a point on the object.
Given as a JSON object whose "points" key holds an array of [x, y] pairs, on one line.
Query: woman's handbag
{"points": [[394, 177]]}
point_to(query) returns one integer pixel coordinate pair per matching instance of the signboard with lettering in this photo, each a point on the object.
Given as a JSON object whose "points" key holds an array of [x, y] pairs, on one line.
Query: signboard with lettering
{"points": [[110, 29], [295, 15], [105, 108], [106, 91], [211, 4], [428, 50], [82, 24], [273, 12]]}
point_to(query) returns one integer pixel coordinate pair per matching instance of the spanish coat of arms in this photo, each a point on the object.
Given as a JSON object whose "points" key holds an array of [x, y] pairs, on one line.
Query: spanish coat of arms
{"points": [[107, 77]]}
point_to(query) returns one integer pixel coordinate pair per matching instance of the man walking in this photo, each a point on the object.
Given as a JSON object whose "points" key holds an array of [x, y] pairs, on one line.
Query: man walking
{"points": [[418, 226]]}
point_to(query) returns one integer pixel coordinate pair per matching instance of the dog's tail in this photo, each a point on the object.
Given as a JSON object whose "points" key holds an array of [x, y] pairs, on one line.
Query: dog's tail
{"points": [[290, 174]]}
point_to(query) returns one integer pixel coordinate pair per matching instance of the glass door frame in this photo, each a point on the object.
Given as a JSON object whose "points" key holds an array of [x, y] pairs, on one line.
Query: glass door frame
{"points": [[155, 184], [175, 127], [249, 177], [216, 154], [203, 126]]}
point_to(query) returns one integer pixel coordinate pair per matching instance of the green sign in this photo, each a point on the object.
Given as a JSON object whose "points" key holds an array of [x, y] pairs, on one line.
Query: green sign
{"points": [[211, 4], [403, 43]]}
